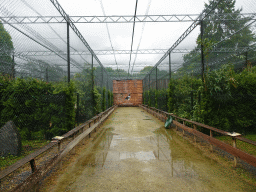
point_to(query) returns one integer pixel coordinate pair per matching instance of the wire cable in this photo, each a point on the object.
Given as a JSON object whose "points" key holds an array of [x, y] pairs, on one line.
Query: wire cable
{"points": [[102, 7], [143, 26], [132, 37]]}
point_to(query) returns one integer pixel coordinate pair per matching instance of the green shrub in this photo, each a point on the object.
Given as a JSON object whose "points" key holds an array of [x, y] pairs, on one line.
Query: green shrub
{"points": [[36, 109], [97, 101]]}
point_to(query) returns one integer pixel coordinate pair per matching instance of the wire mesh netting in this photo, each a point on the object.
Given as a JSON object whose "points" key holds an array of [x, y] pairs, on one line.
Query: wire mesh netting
{"points": [[51, 80], [207, 75], [213, 81]]}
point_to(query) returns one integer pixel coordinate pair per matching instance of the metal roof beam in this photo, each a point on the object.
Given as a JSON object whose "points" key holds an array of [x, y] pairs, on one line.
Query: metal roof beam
{"points": [[125, 18]]}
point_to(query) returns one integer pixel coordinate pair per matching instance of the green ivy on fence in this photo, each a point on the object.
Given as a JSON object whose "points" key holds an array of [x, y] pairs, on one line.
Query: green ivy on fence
{"points": [[226, 100]]}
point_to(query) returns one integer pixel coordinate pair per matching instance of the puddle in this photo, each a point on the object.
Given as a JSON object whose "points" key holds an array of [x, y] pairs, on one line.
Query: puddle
{"points": [[136, 155]]}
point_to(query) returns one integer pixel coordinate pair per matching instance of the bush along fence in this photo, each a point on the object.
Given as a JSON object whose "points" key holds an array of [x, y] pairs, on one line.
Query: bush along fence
{"points": [[53, 152], [225, 99], [182, 124], [42, 110]]}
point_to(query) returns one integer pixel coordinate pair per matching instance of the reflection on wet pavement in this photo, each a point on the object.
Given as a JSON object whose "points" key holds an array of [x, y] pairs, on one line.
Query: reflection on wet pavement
{"points": [[135, 153]]}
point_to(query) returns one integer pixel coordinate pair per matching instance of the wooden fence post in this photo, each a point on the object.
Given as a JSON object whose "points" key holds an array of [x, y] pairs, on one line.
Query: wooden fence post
{"points": [[234, 145], [183, 132], [194, 126], [211, 146], [33, 165]]}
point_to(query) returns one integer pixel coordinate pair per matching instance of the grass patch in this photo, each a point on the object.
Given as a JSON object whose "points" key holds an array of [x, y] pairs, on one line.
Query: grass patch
{"points": [[27, 148], [246, 147]]}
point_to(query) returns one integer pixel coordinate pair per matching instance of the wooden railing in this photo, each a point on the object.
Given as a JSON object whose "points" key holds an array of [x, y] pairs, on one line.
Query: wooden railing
{"points": [[237, 153], [76, 134]]}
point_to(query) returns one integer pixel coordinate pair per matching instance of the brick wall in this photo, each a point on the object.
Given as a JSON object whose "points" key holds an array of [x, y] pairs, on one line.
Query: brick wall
{"points": [[122, 88]]}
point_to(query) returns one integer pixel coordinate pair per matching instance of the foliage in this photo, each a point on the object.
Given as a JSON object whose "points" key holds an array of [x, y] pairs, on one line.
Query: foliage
{"points": [[109, 98], [6, 46], [37, 109], [97, 101], [83, 84], [162, 99], [156, 98], [229, 100], [216, 33], [171, 96]]}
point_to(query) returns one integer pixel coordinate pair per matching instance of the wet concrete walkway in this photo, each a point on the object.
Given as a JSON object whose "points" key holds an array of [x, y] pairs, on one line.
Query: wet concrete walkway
{"points": [[136, 153]]}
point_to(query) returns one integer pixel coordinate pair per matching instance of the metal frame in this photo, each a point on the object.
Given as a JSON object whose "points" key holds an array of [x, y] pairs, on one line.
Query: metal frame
{"points": [[141, 51], [124, 18], [77, 32], [185, 34]]}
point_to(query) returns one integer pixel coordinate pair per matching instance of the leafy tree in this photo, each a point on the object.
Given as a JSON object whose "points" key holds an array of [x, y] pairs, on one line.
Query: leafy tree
{"points": [[216, 32], [6, 48]]}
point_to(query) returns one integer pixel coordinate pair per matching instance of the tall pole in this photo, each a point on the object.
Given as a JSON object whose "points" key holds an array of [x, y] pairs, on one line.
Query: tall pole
{"points": [[156, 78], [202, 50], [92, 74], [102, 77], [46, 74], [246, 59], [170, 67], [13, 66], [68, 49], [149, 81]]}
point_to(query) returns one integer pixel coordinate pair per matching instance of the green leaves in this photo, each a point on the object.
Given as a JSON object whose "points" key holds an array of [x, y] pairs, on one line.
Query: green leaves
{"points": [[38, 108]]}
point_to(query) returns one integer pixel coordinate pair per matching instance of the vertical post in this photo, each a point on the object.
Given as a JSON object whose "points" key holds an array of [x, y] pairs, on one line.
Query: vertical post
{"points": [[183, 132], [202, 50], [192, 100], [59, 146], [102, 77], [33, 165], [77, 109], [13, 66], [170, 67], [46, 74], [149, 81], [68, 49], [211, 144], [234, 145], [246, 59], [194, 126], [156, 78], [92, 74], [176, 125]]}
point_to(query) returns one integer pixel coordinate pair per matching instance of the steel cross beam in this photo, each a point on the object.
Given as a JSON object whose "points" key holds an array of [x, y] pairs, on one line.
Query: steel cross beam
{"points": [[185, 34], [125, 18], [110, 52], [77, 32]]}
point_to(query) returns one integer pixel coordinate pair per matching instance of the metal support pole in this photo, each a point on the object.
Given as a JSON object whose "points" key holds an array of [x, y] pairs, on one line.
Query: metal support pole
{"points": [[68, 50], [77, 109], [246, 59], [13, 66], [202, 50], [156, 78], [102, 77], [192, 100], [46, 74], [170, 67], [149, 81], [92, 74]]}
